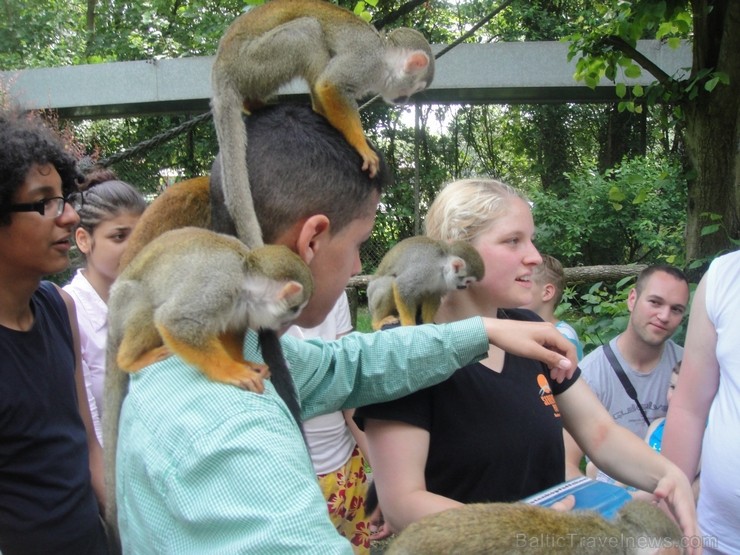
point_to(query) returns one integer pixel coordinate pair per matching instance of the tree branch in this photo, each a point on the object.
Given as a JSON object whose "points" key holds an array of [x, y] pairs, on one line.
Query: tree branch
{"points": [[631, 52], [406, 9], [578, 274]]}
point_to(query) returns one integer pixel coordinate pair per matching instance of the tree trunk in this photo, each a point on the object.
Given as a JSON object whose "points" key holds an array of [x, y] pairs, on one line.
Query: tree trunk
{"points": [[580, 274], [713, 131]]}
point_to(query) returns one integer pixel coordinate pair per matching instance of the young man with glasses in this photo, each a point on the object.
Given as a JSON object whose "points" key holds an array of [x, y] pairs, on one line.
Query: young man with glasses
{"points": [[50, 460]]}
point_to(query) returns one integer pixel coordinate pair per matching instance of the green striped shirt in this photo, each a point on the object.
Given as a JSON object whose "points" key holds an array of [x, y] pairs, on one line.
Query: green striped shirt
{"points": [[207, 468]]}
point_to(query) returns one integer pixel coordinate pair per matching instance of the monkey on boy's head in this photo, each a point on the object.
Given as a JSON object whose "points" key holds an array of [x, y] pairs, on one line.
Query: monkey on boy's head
{"points": [[340, 56]]}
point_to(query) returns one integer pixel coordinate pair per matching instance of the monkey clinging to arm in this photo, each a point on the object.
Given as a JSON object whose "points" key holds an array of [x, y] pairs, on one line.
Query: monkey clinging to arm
{"points": [[415, 274], [194, 293], [342, 58]]}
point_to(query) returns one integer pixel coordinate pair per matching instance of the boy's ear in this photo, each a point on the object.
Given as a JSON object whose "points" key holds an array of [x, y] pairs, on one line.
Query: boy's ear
{"points": [[312, 234], [548, 292]]}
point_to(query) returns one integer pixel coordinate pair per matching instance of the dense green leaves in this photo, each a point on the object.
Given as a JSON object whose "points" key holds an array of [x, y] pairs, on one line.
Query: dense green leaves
{"points": [[573, 158]]}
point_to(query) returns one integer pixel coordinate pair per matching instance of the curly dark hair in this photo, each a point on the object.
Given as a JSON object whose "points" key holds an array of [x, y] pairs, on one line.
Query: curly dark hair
{"points": [[27, 141]]}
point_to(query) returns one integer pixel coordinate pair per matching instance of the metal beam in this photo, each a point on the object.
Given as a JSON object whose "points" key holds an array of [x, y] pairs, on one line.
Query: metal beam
{"points": [[504, 72]]}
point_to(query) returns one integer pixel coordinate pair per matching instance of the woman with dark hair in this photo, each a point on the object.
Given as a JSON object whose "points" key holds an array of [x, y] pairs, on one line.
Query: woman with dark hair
{"points": [[108, 209], [50, 461]]}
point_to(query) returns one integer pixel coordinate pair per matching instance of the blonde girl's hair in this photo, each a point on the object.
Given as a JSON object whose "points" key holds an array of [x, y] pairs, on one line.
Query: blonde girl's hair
{"points": [[466, 208]]}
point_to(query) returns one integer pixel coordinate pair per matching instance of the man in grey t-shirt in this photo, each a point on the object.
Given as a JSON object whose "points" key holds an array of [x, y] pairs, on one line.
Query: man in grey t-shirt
{"points": [[645, 351]]}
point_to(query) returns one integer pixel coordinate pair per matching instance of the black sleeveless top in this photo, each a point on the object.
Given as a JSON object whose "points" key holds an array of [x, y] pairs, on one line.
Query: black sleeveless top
{"points": [[46, 498]]}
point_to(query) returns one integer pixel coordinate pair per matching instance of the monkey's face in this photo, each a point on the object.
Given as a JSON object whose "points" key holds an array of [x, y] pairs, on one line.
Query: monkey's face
{"points": [[408, 72], [403, 89]]}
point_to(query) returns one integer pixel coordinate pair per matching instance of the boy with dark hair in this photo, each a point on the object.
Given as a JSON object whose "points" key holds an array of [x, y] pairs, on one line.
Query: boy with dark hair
{"points": [[203, 467], [49, 449]]}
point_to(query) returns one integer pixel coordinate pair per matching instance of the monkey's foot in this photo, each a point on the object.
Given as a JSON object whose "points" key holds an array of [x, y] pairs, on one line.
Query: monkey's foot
{"points": [[150, 357], [249, 376], [251, 105], [387, 321], [370, 161]]}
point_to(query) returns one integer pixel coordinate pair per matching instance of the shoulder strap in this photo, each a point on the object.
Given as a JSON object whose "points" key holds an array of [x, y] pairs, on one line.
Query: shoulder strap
{"points": [[626, 383]]}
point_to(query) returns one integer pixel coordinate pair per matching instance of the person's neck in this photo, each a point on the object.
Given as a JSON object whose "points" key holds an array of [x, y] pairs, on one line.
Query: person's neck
{"points": [[641, 356], [15, 303], [548, 315], [459, 305], [98, 282]]}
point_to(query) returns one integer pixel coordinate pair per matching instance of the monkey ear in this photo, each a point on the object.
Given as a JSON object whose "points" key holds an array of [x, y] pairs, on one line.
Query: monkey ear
{"points": [[416, 61], [290, 289]]}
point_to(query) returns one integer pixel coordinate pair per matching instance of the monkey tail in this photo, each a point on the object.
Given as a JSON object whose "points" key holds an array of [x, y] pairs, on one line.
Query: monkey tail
{"points": [[231, 134], [272, 353], [116, 387]]}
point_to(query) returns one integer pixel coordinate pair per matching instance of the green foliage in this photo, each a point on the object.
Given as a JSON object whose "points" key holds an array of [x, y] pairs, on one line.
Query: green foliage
{"points": [[605, 46], [599, 313], [361, 10], [631, 213]]}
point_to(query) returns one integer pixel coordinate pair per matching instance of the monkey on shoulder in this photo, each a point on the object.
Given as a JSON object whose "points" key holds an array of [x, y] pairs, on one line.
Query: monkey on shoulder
{"points": [[196, 293], [415, 274]]}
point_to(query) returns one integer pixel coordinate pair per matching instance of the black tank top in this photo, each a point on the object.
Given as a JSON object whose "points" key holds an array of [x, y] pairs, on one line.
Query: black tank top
{"points": [[46, 498]]}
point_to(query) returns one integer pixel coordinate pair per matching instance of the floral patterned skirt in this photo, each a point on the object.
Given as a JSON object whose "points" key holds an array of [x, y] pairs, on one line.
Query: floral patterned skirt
{"points": [[345, 491]]}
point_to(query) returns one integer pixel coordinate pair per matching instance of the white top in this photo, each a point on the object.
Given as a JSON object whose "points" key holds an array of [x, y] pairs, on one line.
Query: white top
{"points": [[330, 441], [92, 319], [719, 501]]}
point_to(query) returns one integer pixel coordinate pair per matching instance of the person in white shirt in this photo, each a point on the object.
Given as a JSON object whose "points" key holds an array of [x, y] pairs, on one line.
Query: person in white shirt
{"points": [[108, 210], [338, 448], [703, 420]]}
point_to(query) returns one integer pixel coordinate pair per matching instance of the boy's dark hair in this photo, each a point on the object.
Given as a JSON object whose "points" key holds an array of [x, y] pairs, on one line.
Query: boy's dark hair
{"points": [[299, 166], [25, 141], [650, 270]]}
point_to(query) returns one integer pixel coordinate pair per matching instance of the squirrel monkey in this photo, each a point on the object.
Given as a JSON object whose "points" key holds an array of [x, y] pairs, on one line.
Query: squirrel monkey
{"points": [[183, 204], [197, 292], [415, 274], [518, 528], [342, 58], [194, 292]]}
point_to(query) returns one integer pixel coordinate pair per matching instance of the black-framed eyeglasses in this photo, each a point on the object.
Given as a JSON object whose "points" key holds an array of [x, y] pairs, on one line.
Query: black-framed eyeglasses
{"points": [[51, 207]]}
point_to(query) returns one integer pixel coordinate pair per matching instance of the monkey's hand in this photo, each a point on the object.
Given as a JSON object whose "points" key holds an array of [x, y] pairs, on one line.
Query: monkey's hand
{"points": [[387, 321], [220, 359], [245, 375]]}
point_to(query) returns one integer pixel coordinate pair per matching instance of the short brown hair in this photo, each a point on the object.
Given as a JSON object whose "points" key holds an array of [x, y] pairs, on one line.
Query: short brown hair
{"points": [[551, 271]]}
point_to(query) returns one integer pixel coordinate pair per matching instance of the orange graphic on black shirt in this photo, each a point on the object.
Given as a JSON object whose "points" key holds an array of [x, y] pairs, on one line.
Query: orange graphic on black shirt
{"points": [[546, 395]]}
